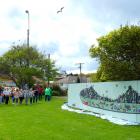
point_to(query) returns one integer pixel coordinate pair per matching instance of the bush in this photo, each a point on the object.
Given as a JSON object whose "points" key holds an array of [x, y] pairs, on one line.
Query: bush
{"points": [[57, 91]]}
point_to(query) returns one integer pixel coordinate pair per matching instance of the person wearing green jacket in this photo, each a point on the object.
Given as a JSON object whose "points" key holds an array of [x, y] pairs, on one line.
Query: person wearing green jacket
{"points": [[48, 93]]}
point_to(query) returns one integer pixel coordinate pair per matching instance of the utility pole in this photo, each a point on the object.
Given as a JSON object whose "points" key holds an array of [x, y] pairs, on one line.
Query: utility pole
{"points": [[80, 68], [28, 33], [28, 29]]}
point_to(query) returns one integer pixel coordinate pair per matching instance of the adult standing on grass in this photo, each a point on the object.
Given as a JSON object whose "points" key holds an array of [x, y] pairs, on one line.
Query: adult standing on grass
{"points": [[1, 94], [1, 98], [1, 90], [16, 95], [40, 92], [47, 94], [6, 92], [31, 95], [21, 96], [50, 88], [26, 96], [35, 98], [12, 95]]}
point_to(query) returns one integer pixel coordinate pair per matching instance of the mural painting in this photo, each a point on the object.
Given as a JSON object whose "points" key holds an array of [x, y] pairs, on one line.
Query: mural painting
{"points": [[128, 102]]}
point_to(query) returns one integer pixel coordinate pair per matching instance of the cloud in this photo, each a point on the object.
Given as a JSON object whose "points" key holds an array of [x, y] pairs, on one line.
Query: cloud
{"points": [[67, 36]]}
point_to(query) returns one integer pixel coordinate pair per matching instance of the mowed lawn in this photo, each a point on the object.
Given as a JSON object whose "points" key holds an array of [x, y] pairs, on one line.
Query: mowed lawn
{"points": [[46, 121]]}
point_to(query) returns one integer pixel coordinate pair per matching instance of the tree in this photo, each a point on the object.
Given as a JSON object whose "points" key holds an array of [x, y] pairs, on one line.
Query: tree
{"points": [[49, 69], [92, 77], [21, 63], [119, 54]]}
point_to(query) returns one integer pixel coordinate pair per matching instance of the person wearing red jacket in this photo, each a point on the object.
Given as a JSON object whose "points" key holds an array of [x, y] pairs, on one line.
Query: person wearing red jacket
{"points": [[40, 92]]}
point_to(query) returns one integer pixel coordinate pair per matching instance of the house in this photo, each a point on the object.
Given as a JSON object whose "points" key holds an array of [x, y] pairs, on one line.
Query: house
{"points": [[8, 83], [64, 81]]}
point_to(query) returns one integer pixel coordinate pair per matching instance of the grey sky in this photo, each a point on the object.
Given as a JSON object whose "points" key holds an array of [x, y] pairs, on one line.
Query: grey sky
{"points": [[66, 36]]}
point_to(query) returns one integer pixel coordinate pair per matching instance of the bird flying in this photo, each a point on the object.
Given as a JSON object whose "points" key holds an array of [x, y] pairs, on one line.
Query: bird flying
{"points": [[60, 10]]}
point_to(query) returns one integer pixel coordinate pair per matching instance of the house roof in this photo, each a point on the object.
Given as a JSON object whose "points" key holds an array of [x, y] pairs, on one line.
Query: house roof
{"points": [[71, 79]]}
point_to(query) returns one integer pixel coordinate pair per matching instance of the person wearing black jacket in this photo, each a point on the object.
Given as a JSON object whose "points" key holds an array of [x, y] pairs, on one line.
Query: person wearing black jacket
{"points": [[35, 97]]}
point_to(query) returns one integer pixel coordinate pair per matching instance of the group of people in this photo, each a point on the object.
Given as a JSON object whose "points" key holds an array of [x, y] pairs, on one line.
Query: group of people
{"points": [[31, 95]]}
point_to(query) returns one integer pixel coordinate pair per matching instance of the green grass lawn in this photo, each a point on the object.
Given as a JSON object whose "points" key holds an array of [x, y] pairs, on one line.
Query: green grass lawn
{"points": [[46, 121]]}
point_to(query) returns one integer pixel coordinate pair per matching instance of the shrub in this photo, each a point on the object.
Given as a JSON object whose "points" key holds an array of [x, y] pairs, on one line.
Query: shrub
{"points": [[57, 91]]}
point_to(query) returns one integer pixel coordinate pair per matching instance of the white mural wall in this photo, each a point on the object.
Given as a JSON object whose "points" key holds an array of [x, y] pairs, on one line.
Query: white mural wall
{"points": [[119, 99]]}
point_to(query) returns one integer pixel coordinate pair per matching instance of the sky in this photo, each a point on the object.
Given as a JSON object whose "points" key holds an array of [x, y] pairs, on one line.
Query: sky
{"points": [[66, 36]]}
